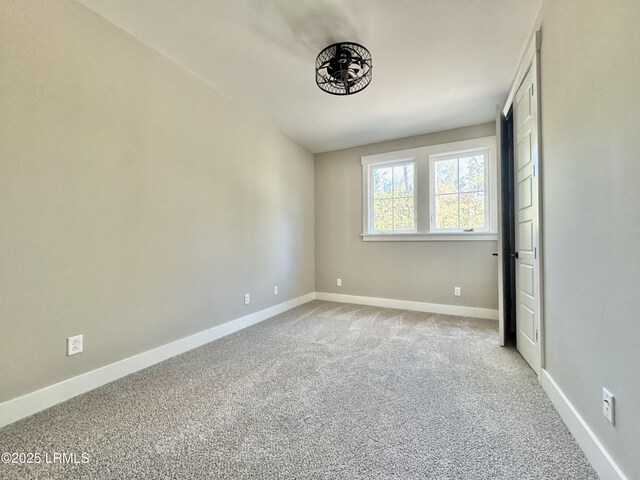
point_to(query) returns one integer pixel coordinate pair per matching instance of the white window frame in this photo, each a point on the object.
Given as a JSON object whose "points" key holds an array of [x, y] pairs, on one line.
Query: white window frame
{"points": [[370, 199], [487, 190], [423, 187]]}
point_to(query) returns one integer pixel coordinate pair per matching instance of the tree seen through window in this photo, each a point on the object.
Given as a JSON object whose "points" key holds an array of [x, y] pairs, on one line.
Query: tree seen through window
{"points": [[393, 198], [460, 193]]}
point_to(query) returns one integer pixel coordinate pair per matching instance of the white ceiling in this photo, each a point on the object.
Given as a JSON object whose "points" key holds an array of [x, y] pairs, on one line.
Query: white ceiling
{"points": [[438, 64]]}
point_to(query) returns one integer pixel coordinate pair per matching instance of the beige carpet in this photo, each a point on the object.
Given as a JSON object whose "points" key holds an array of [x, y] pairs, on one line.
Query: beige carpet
{"points": [[324, 391]]}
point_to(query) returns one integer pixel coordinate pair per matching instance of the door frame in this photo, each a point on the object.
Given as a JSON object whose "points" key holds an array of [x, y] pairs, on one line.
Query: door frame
{"points": [[530, 59], [499, 141]]}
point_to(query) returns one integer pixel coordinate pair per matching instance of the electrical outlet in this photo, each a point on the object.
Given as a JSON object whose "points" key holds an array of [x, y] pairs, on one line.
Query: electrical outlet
{"points": [[74, 345], [608, 406], [247, 299], [275, 290], [457, 291], [339, 282]]}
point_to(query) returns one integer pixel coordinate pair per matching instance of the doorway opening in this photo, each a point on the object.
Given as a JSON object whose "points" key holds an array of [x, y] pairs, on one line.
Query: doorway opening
{"points": [[508, 230]]}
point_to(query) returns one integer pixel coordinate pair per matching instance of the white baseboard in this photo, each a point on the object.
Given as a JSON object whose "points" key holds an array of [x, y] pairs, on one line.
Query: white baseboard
{"points": [[21, 407], [591, 446], [409, 305]]}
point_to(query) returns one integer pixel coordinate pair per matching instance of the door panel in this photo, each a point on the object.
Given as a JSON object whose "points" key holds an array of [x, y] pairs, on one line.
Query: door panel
{"points": [[526, 318], [525, 278], [527, 222], [524, 193], [523, 110], [525, 235], [524, 151]]}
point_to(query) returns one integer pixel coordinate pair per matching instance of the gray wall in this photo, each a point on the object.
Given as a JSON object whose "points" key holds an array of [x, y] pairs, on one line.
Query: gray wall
{"points": [[591, 196], [137, 204], [417, 271]]}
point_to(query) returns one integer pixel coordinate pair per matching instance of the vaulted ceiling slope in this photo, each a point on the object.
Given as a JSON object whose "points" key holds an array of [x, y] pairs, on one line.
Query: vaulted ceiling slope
{"points": [[437, 64]]}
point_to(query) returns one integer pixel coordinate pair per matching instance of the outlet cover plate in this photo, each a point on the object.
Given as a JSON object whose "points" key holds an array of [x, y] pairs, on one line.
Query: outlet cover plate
{"points": [[608, 406], [74, 345]]}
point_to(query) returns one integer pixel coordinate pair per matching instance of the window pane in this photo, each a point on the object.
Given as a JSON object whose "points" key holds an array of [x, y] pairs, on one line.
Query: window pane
{"points": [[383, 215], [446, 173], [403, 214], [382, 182], [472, 174], [472, 212], [446, 211], [403, 181]]}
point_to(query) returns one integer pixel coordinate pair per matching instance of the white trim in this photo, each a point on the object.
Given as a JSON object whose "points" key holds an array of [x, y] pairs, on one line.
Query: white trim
{"points": [[589, 443], [423, 186], [539, 172], [500, 247], [412, 153], [21, 407], [430, 237], [410, 305], [533, 46]]}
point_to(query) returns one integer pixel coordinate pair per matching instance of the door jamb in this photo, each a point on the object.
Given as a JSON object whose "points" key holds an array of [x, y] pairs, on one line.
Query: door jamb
{"points": [[501, 325]]}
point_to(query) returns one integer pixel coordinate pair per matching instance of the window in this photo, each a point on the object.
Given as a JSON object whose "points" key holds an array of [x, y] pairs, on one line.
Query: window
{"points": [[393, 202], [458, 188], [439, 192]]}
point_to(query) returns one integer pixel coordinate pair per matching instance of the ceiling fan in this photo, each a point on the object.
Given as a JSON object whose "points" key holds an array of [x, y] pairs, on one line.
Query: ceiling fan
{"points": [[343, 68]]}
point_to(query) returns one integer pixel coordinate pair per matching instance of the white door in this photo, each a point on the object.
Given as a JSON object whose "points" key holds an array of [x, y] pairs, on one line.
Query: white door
{"points": [[527, 220]]}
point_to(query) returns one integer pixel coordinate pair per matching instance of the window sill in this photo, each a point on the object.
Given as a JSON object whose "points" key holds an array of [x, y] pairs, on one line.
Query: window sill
{"points": [[429, 237]]}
